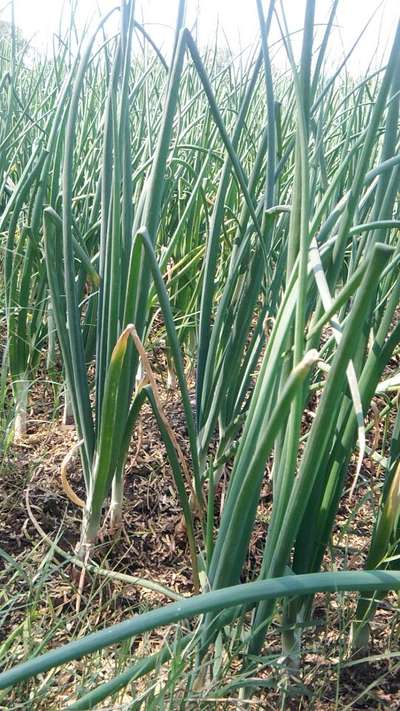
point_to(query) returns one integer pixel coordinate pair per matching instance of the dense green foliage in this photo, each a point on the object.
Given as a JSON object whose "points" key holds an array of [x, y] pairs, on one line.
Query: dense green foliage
{"points": [[255, 217]]}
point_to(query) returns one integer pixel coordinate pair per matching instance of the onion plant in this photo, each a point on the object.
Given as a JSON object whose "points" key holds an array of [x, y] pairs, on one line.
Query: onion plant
{"points": [[252, 220], [24, 269], [385, 542]]}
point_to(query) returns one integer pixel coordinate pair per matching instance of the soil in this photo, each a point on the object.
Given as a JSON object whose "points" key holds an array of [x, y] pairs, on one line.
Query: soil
{"points": [[153, 546]]}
